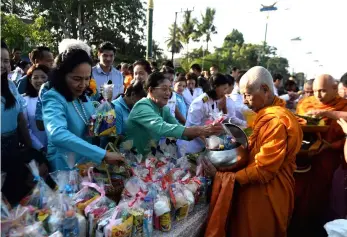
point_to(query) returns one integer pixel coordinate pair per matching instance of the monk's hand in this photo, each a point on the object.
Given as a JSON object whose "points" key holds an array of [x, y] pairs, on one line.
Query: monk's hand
{"points": [[242, 161], [209, 169], [343, 124]]}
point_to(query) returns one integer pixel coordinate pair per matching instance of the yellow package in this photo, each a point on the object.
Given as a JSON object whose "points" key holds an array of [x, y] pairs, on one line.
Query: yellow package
{"points": [[124, 229], [165, 222], [82, 205], [182, 212]]}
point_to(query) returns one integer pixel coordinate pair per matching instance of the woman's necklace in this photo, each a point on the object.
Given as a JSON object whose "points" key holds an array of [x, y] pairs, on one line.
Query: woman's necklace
{"points": [[85, 118]]}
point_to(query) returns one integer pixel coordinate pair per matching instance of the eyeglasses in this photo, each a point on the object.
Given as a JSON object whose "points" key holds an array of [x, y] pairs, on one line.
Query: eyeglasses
{"points": [[164, 89]]}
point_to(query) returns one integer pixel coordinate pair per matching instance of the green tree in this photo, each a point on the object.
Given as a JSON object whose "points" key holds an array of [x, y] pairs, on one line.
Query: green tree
{"points": [[120, 22], [17, 33], [187, 29], [206, 28], [234, 38], [173, 42], [157, 51]]}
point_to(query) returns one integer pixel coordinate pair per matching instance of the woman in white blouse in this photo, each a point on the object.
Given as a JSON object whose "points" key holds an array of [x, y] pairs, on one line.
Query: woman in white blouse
{"points": [[37, 75], [192, 91]]}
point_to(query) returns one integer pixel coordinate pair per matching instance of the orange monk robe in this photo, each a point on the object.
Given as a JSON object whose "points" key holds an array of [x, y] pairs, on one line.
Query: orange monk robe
{"points": [[263, 204], [313, 187], [127, 81]]}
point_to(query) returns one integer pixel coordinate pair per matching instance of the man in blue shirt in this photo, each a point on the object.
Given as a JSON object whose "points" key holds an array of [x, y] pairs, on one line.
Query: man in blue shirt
{"points": [[104, 72], [40, 55]]}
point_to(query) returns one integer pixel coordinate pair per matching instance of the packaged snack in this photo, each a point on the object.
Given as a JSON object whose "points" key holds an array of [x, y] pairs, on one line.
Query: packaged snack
{"points": [[120, 224], [148, 217], [17, 217], [85, 196], [96, 209], [179, 201], [41, 194], [162, 212], [138, 215], [65, 219], [133, 186], [68, 181], [103, 123]]}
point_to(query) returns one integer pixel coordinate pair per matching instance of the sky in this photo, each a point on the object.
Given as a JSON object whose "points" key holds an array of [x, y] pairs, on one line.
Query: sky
{"points": [[321, 24]]}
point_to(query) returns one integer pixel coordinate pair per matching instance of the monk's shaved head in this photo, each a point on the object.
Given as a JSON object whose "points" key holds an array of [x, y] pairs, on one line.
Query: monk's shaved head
{"points": [[325, 88], [257, 88]]}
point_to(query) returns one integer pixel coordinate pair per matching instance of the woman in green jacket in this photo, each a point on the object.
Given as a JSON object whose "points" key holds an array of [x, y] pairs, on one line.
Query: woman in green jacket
{"points": [[150, 119]]}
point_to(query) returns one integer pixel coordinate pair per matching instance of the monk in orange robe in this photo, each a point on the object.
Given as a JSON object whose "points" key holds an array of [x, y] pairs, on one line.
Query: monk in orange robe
{"points": [[313, 186], [262, 199]]}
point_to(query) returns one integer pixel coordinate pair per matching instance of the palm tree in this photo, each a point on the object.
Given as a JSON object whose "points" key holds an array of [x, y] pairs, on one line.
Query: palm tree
{"points": [[174, 43], [157, 51], [206, 27], [188, 28]]}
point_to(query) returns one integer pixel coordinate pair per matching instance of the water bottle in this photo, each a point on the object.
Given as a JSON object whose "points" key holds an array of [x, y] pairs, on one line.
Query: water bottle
{"points": [[148, 217], [70, 225]]}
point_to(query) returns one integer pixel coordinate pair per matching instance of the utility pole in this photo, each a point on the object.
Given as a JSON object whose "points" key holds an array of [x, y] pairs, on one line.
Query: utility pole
{"points": [[173, 49], [149, 51], [267, 9]]}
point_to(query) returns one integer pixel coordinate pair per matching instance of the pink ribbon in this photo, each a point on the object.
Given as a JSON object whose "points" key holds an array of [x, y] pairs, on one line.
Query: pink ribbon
{"points": [[97, 188], [139, 196]]}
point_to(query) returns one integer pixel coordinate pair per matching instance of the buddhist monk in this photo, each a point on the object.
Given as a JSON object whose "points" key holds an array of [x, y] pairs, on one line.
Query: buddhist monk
{"points": [[263, 195], [313, 186]]}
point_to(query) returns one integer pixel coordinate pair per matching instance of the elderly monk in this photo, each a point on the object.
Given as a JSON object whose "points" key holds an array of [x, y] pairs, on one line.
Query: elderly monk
{"points": [[263, 197], [313, 186]]}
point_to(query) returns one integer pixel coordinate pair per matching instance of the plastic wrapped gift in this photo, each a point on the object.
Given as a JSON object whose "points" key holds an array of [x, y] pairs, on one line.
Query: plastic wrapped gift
{"points": [[41, 195], [103, 122]]}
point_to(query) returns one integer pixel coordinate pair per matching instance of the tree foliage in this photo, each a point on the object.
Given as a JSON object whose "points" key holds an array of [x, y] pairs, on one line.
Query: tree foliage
{"points": [[17, 33], [173, 42], [121, 22], [235, 52], [206, 27]]}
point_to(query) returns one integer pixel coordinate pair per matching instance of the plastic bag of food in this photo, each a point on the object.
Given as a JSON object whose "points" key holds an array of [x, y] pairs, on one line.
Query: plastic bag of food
{"points": [[103, 122], [17, 217], [68, 181], [162, 208], [85, 196], [5, 205], [41, 195], [133, 186], [96, 209], [179, 201], [120, 224], [34, 230], [65, 219]]}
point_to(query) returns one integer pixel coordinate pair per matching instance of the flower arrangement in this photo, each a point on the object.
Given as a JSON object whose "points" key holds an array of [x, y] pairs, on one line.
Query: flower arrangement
{"points": [[92, 86]]}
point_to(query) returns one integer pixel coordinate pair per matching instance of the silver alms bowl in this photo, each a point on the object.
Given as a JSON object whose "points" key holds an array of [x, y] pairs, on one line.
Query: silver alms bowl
{"points": [[228, 157]]}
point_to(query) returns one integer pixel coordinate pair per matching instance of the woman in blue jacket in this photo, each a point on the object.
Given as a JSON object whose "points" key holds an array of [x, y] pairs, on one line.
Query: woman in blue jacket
{"points": [[66, 112]]}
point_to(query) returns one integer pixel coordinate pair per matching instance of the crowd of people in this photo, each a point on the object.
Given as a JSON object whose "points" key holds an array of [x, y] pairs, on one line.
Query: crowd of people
{"points": [[46, 105]]}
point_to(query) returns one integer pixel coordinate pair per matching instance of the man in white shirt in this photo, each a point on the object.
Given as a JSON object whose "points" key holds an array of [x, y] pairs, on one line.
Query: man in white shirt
{"points": [[277, 78], [104, 72]]}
